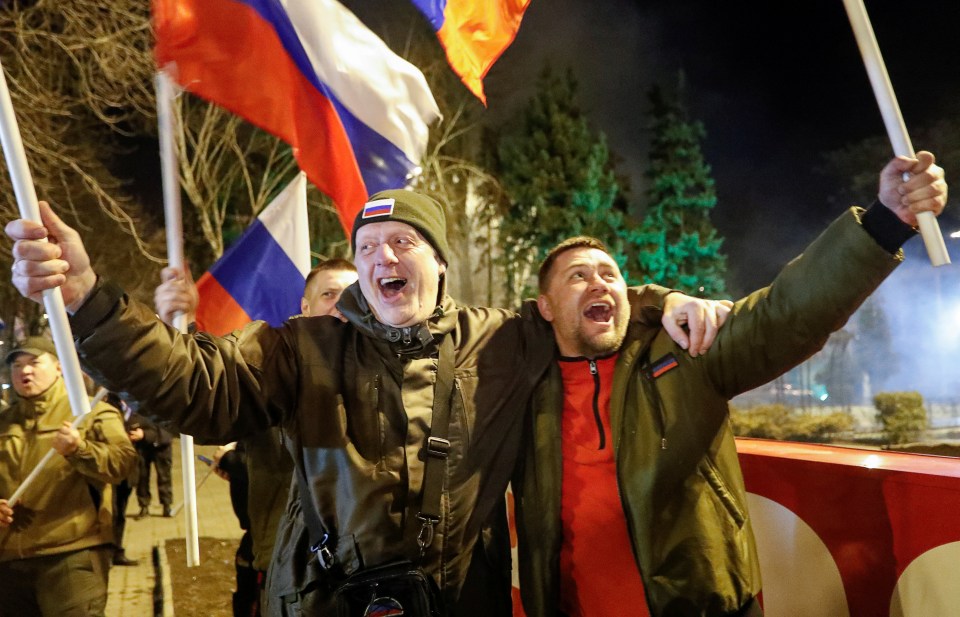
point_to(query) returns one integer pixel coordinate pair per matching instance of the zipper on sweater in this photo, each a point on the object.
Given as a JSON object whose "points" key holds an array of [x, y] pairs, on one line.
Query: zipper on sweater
{"points": [[596, 404]]}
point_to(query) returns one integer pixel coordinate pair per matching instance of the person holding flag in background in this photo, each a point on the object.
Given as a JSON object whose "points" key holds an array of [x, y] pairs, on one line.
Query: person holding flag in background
{"points": [[268, 469], [56, 544]]}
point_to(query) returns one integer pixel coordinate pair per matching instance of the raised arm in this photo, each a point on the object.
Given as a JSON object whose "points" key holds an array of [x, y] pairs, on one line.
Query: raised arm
{"points": [[217, 389]]}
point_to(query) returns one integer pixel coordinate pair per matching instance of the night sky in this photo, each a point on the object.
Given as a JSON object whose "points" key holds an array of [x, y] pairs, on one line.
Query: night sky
{"points": [[776, 85]]}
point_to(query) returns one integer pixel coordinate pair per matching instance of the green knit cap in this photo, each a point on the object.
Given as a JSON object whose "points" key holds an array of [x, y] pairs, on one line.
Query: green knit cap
{"points": [[417, 210]]}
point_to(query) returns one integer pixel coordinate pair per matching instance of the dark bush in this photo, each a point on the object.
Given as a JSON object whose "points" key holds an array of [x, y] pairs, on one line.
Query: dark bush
{"points": [[781, 422], [902, 415]]}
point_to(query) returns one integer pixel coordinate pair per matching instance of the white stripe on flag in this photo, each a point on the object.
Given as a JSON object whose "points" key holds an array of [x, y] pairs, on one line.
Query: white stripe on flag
{"points": [[286, 219], [369, 79]]}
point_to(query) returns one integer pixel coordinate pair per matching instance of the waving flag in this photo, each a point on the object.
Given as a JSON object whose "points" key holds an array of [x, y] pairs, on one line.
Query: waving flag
{"points": [[310, 72], [262, 275], [474, 33]]}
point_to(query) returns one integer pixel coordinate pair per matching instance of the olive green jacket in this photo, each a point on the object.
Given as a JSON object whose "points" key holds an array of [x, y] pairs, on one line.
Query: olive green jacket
{"points": [[677, 469], [68, 506]]}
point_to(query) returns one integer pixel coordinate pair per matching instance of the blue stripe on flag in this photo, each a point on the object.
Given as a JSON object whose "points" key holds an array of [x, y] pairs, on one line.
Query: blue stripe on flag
{"points": [[382, 164], [433, 10], [261, 278]]}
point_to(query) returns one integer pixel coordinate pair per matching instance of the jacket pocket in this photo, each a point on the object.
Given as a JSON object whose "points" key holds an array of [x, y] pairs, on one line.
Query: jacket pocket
{"points": [[729, 500], [461, 416], [366, 428]]}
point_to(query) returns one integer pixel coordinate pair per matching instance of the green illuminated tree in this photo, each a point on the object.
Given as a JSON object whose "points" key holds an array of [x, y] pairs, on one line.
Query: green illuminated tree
{"points": [[677, 245], [559, 180]]}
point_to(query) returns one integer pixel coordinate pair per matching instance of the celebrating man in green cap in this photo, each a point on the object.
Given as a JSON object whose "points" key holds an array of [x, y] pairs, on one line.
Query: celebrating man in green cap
{"points": [[56, 543]]}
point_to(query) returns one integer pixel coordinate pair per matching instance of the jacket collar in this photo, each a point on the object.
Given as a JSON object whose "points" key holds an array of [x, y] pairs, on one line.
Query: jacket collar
{"points": [[39, 406], [407, 341]]}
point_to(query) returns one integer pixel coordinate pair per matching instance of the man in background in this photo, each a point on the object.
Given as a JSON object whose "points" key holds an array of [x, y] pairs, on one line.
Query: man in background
{"points": [[155, 447], [57, 542], [259, 468]]}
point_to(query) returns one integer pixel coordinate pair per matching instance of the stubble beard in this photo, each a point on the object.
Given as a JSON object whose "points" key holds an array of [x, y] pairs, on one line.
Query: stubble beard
{"points": [[603, 344]]}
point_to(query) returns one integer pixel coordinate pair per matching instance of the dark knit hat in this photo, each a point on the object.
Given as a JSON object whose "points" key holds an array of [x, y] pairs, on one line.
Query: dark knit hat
{"points": [[33, 345], [415, 209]]}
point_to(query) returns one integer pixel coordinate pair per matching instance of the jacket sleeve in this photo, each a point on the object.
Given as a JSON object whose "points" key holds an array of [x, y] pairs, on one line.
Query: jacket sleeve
{"points": [[105, 453], [217, 389], [780, 326], [646, 303]]}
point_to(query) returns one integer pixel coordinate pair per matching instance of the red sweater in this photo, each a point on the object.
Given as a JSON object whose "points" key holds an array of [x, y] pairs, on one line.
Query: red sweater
{"points": [[598, 572]]}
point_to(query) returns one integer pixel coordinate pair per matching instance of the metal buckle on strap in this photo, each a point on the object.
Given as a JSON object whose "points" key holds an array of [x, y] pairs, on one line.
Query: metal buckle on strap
{"points": [[425, 537], [325, 556], [437, 447]]}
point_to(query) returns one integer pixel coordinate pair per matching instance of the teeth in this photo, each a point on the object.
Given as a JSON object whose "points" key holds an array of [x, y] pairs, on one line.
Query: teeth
{"points": [[599, 305], [389, 280]]}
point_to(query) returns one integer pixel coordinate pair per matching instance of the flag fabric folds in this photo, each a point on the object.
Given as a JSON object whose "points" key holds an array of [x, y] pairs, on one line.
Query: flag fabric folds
{"points": [[262, 275], [308, 71], [474, 34]]}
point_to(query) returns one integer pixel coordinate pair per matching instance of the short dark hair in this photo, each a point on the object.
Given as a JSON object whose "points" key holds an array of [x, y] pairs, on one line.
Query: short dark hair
{"points": [[326, 265], [576, 242]]}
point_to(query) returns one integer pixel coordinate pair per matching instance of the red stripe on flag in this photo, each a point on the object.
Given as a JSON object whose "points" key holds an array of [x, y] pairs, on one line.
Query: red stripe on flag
{"points": [[218, 313], [210, 41]]}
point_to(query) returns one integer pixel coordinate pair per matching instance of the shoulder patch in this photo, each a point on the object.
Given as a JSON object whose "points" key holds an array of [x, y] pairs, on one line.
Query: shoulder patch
{"points": [[663, 365]]}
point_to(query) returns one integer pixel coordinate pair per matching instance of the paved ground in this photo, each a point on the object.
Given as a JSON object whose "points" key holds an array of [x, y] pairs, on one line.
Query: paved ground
{"points": [[131, 587]]}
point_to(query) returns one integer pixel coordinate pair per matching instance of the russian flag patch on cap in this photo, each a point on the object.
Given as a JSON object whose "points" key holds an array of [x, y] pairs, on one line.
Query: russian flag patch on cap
{"points": [[378, 207]]}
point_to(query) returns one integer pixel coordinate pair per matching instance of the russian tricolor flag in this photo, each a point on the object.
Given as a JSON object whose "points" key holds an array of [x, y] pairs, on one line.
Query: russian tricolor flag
{"points": [[474, 34], [308, 71], [262, 275]]}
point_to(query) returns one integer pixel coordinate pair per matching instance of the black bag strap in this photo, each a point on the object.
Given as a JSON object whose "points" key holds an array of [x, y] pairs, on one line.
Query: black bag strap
{"points": [[438, 446], [437, 449], [320, 539]]}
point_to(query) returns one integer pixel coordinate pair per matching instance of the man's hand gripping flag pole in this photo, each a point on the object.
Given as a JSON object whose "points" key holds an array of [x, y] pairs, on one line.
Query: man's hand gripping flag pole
{"points": [[892, 118]]}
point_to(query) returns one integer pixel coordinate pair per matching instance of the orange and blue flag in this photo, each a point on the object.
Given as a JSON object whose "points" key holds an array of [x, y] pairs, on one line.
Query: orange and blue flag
{"points": [[474, 34], [309, 72], [262, 274]]}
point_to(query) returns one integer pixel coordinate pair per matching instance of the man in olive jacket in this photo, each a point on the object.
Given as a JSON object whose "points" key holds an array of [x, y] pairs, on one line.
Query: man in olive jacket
{"points": [[56, 543], [630, 498], [354, 398]]}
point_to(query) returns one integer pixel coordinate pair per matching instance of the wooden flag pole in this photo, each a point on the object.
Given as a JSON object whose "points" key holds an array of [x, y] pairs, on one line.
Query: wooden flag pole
{"points": [[174, 225], [892, 118], [30, 210]]}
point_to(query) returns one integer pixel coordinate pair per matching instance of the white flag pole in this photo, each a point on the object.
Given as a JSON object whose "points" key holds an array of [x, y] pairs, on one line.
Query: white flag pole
{"points": [[15, 497], [174, 224], [30, 210], [892, 118]]}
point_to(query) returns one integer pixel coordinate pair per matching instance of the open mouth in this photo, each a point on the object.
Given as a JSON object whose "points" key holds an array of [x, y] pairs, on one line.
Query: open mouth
{"points": [[600, 312], [391, 286]]}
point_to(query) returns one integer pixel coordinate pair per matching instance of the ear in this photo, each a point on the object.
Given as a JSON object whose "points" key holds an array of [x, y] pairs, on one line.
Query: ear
{"points": [[304, 306], [543, 303]]}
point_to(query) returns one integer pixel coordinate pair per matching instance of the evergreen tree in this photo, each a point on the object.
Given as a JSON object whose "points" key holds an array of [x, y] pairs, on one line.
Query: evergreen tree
{"points": [[559, 179], [677, 245]]}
